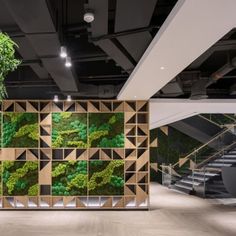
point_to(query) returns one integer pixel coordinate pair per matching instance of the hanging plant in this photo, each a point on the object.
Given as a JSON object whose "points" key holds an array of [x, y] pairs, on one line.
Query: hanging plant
{"points": [[8, 62]]}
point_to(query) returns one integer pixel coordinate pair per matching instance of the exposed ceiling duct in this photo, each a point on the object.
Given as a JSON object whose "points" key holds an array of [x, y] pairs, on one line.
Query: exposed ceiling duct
{"points": [[39, 29], [199, 88], [126, 49]]}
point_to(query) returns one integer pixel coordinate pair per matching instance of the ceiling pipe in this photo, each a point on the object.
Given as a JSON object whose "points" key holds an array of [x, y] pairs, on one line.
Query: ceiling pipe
{"points": [[198, 90]]}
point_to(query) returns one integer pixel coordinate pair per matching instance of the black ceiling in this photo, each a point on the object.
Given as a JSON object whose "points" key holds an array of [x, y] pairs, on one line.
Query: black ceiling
{"points": [[103, 53], [212, 75]]}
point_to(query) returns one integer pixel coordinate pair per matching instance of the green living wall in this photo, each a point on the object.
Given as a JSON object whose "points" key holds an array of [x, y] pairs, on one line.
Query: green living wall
{"points": [[171, 145]]}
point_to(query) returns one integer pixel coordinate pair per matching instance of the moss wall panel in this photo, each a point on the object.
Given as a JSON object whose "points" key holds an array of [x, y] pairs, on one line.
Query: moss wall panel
{"points": [[76, 155]]}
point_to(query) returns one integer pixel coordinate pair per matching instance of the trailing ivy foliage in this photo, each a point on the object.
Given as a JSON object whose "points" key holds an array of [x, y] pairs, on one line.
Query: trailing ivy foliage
{"points": [[20, 129], [20, 178], [69, 130], [8, 62]]}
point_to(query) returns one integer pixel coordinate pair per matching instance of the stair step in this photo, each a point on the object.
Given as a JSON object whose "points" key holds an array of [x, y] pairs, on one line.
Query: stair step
{"points": [[202, 179], [218, 164], [189, 182], [228, 155], [226, 160], [208, 174], [183, 186]]}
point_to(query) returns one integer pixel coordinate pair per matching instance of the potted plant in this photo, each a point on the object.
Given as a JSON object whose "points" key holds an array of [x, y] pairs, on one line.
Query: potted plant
{"points": [[8, 62]]}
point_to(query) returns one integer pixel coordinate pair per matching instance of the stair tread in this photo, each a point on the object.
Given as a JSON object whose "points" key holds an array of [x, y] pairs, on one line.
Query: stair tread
{"points": [[183, 186]]}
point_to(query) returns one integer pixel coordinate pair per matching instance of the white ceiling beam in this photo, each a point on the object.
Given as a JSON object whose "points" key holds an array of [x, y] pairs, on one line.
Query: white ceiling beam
{"points": [[166, 111], [192, 27]]}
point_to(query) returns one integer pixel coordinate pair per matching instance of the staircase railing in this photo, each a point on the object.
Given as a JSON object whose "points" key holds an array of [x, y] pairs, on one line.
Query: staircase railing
{"points": [[221, 142], [216, 120]]}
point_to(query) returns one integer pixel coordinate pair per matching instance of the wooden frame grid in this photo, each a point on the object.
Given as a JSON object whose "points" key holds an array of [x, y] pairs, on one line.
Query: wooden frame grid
{"points": [[135, 155]]}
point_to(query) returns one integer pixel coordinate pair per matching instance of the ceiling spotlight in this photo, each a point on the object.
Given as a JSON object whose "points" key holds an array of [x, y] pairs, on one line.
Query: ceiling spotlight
{"points": [[68, 98], [68, 62], [55, 98], [63, 52], [162, 67], [89, 16]]}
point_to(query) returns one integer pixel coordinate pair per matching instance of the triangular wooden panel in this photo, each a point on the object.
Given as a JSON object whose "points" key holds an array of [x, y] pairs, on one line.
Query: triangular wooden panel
{"points": [[107, 202], [94, 153], [45, 119], [70, 154], [106, 106], [182, 161], [164, 129], [57, 201], [130, 142], [45, 130], [142, 142], [45, 201], [130, 202], [8, 202], [130, 106], [130, 130], [142, 106], [45, 173], [142, 130], [130, 154], [45, 106], [69, 200], [118, 154], [20, 154], [130, 165], [130, 178], [69, 106], [33, 202], [154, 143], [45, 154], [8, 106], [192, 165], [57, 106], [130, 117], [118, 106], [81, 202], [45, 141], [142, 178], [20, 106], [93, 106], [32, 154], [141, 196], [142, 160], [118, 203], [130, 190], [106, 154], [154, 166], [81, 154], [32, 106], [81, 106], [21, 201]]}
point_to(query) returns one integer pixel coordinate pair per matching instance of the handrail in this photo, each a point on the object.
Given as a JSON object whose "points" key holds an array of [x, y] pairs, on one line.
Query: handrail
{"points": [[205, 144], [215, 154]]}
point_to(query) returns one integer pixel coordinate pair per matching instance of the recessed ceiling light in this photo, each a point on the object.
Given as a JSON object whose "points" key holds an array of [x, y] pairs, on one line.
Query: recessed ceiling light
{"points": [[63, 52], [68, 62], [162, 67], [55, 99], [68, 98], [89, 17]]}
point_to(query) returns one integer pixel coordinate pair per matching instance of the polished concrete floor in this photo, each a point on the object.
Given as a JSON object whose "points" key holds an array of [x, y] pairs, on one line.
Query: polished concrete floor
{"points": [[171, 213]]}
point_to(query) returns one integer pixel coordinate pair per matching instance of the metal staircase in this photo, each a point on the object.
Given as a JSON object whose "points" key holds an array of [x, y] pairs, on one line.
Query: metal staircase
{"points": [[205, 165]]}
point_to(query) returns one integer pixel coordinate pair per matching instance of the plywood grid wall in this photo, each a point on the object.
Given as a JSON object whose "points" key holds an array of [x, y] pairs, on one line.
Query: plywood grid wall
{"points": [[135, 155]]}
